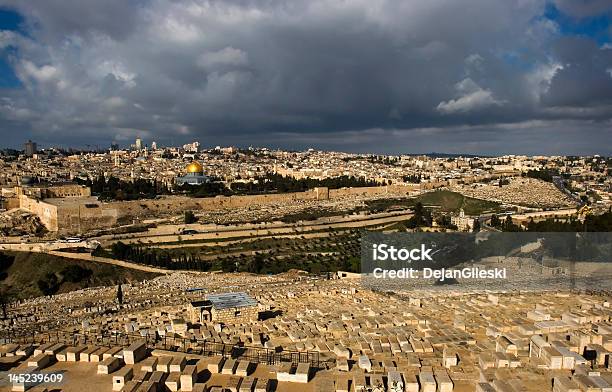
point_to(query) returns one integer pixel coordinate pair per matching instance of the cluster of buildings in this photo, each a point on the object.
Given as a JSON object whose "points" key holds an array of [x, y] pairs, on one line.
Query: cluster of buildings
{"points": [[585, 175], [44, 183]]}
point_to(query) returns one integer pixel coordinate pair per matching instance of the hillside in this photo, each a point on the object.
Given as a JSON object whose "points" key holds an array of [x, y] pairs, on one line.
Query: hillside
{"points": [[444, 200], [30, 274]]}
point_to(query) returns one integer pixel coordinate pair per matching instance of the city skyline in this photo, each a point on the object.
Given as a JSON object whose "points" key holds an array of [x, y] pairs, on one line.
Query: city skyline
{"points": [[530, 77], [190, 148]]}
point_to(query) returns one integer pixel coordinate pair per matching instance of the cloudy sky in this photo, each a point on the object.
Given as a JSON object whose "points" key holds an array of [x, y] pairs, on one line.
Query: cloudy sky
{"points": [[383, 76]]}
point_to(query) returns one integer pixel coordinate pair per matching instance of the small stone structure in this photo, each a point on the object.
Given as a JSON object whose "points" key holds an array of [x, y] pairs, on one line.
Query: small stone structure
{"points": [[226, 308]]}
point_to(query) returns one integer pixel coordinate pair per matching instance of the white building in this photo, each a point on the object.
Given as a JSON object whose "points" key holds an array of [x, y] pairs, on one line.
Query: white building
{"points": [[463, 223]]}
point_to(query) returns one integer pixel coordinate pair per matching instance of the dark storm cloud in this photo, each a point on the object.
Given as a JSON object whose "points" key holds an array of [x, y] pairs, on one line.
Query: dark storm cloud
{"points": [[584, 8], [55, 19], [299, 73], [585, 79]]}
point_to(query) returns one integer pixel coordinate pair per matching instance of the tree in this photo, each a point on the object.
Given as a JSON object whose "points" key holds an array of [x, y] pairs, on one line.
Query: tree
{"points": [[190, 217], [6, 261], [75, 273], [476, 228], [228, 265], [119, 295], [257, 264], [421, 217], [49, 284], [5, 300], [495, 222], [509, 225]]}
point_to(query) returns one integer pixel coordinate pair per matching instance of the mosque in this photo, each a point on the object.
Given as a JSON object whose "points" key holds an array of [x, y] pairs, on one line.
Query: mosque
{"points": [[194, 176]]}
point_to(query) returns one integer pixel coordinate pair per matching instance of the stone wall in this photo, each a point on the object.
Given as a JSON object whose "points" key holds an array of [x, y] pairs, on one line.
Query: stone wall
{"points": [[235, 315], [46, 212], [11, 202], [171, 205], [79, 217]]}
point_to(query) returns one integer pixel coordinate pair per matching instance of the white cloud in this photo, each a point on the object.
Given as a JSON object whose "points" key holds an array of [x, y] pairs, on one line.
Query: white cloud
{"points": [[177, 30], [118, 70], [474, 60], [539, 79], [472, 97], [41, 74]]}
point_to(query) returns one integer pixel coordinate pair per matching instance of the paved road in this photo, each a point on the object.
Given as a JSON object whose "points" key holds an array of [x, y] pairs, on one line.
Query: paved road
{"points": [[118, 263]]}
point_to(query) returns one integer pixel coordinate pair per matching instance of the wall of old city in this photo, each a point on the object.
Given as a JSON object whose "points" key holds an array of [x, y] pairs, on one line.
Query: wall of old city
{"points": [[142, 209], [47, 213], [11, 202], [79, 218]]}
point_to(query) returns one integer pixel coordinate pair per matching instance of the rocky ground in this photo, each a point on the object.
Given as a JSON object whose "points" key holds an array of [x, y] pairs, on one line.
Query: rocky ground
{"points": [[18, 222]]}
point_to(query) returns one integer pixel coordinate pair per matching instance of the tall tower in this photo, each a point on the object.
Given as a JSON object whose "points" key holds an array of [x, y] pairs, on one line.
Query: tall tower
{"points": [[30, 148], [138, 144]]}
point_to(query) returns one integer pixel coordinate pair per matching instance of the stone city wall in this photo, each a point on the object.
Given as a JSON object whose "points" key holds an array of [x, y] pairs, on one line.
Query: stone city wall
{"points": [[10, 203], [47, 213], [79, 217]]}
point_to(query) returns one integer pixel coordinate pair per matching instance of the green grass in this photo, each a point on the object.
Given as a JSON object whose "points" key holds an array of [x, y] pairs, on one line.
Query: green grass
{"points": [[446, 201], [449, 201]]}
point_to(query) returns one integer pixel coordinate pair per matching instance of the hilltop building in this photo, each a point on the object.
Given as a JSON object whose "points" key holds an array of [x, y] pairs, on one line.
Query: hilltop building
{"points": [[463, 222], [194, 175], [192, 147]]}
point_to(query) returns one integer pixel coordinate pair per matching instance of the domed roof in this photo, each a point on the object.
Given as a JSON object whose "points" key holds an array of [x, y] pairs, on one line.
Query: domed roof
{"points": [[195, 167]]}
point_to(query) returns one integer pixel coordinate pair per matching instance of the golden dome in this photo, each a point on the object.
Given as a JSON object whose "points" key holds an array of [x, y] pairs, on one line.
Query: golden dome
{"points": [[195, 167]]}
